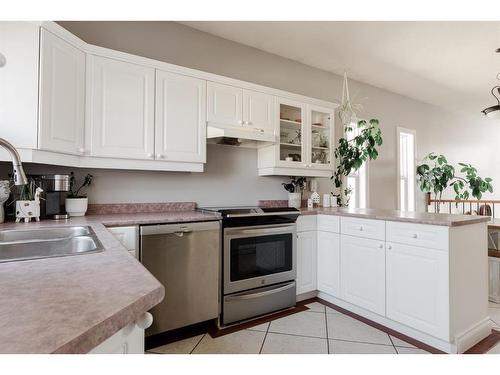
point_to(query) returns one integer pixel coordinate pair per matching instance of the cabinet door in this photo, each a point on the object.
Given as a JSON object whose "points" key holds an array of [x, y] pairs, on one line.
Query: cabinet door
{"points": [[362, 272], [121, 109], [320, 136], [128, 236], [329, 263], [180, 118], [128, 340], [62, 95], [258, 111], [306, 262], [417, 288], [224, 104], [291, 149]]}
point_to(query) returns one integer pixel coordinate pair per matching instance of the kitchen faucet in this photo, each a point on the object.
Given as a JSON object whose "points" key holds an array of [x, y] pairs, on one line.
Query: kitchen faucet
{"points": [[19, 176]]}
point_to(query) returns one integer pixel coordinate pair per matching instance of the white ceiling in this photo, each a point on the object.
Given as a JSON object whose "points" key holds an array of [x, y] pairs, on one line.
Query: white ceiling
{"points": [[449, 64]]}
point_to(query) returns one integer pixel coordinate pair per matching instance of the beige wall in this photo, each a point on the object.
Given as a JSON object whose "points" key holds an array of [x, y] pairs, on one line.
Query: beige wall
{"points": [[469, 139]]}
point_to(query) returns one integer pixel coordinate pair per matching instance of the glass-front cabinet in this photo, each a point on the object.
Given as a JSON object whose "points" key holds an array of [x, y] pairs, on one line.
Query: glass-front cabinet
{"points": [[320, 137], [304, 136], [291, 146]]}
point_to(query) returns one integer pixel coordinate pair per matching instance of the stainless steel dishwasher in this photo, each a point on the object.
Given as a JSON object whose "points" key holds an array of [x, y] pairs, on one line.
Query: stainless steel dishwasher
{"points": [[185, 258]]}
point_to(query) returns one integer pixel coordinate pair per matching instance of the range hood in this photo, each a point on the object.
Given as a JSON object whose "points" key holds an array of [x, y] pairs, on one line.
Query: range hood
{"points": [[240, 134]]}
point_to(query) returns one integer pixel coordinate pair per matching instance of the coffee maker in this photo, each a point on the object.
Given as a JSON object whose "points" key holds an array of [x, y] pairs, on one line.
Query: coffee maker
{"points": [[55, 189]]}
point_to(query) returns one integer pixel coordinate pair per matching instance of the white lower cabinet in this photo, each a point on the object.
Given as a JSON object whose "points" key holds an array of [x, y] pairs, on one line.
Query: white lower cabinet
{"points": [[128, 237], [329, 263], [306, 262], [128, 340], [362, 272], [417, 288]]}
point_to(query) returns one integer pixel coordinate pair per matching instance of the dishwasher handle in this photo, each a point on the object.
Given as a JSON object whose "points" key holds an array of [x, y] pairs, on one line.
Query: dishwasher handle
{"points": [[179, 229]]}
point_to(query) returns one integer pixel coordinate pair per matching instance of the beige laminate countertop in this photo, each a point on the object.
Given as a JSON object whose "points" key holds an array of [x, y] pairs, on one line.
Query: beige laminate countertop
{"points": [[72, 304], [402, 216]]}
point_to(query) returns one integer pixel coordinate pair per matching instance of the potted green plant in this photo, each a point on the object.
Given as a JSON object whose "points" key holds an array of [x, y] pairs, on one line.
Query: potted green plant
{"points": [[77, 201], [435, 175], [352, 152], [295, 188]]}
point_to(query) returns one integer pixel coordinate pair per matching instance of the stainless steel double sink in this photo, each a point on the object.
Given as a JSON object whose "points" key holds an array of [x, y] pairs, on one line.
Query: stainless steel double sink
{"points": [[48, 242]]}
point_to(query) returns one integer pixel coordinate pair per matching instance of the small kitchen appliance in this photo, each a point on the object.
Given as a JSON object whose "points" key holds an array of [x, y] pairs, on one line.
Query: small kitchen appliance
{"points": [[55, 189]]}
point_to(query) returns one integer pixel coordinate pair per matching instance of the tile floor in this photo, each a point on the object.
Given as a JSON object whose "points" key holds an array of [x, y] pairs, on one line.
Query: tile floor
{"points": [[320, 330]]}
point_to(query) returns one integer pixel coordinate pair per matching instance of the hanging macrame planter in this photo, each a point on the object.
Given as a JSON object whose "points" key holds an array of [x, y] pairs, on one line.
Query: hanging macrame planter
{"points": [[347, 112]]}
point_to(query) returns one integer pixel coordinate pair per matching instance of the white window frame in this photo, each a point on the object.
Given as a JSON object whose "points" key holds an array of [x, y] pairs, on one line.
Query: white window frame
{"points": [[361, 190], [411, 173]]}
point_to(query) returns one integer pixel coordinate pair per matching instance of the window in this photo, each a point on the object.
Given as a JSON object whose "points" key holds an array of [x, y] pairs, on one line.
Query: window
{"points": [[406, 169], [358, 181]]}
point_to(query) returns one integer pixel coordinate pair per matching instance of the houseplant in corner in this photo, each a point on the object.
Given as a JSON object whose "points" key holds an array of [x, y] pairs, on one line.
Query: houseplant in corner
{"points": [[435, 175], [76, 201], [295, 188]]}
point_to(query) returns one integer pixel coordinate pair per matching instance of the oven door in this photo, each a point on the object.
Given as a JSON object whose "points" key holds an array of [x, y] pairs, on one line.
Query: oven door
{"points": [[257, 256]]}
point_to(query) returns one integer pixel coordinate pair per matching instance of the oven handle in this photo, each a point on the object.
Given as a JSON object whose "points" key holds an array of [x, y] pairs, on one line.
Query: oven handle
{"points": [[280, 229], [260, 294]]}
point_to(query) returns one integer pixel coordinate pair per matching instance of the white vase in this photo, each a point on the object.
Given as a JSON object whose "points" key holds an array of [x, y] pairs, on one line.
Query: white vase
{"points": [[294, 200], [76, 206]]}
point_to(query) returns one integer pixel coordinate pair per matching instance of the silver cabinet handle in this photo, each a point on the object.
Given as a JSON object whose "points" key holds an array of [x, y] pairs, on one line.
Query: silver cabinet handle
{"points": [[160, 156], [381, 246], [389, 247], [240, 122], [415, 235], [261, 294], [81, 150], [361, 229], [150, 155]]}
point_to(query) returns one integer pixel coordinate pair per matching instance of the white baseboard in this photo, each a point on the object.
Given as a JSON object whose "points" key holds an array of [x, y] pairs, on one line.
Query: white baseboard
{"points": [[304, 296], [472, 336], [413, 333]]}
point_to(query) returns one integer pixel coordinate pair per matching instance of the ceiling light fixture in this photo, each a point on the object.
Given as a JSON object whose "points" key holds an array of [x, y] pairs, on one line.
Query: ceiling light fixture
{"points": [[494, 111]]}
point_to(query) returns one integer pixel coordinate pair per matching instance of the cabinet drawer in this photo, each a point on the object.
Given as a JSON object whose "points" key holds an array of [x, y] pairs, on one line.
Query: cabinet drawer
{"points": [[431, 236], [306, 223], [329, 223], [366, 228]]}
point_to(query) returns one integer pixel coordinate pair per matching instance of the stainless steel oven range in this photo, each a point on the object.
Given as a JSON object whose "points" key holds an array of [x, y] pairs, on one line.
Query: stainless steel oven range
{"points": [[258, 262]]}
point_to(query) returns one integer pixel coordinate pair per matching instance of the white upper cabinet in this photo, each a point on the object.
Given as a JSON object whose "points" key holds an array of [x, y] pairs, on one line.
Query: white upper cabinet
{"points": [[62, 95], [230, 106], [180, 118], [258, 111], [224, 104], [120, 121], [362, 272], [305, 140], [320, 137]]}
